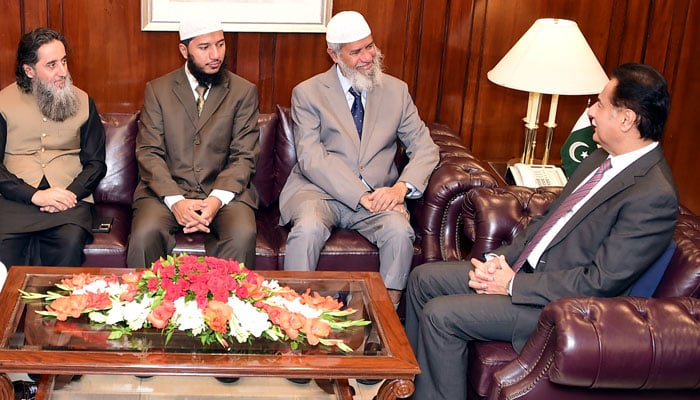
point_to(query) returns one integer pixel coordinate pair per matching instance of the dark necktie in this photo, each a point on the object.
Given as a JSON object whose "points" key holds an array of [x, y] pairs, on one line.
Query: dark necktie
{"points": [[566, 206], [357, 111], [201, 90]]}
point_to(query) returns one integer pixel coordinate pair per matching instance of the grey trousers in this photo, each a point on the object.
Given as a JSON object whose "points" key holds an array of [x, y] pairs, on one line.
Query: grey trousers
{"points": [[312, 223], [442, 316]]}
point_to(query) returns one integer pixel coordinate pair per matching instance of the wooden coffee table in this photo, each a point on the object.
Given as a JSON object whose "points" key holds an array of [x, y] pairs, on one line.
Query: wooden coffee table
{"points": [[31, 344]]}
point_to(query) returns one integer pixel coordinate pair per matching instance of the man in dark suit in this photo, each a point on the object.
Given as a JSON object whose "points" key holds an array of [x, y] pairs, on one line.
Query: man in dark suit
{"points": [[196, 149], [345, 145], [598, 246]]}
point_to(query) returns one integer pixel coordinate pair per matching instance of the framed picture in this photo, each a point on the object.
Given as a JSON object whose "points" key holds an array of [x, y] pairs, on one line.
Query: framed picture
{"points": [[241, 15]]}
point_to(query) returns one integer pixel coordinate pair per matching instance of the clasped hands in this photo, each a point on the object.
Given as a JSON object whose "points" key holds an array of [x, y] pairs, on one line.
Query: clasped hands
{"points": [[386, 199], [195, 214], [490, 277], [53, 200]]}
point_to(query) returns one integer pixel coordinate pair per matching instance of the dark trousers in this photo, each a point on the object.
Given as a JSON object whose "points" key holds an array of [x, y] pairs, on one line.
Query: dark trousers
{"points": [[442, 316], [58, 246], [233, 233]]}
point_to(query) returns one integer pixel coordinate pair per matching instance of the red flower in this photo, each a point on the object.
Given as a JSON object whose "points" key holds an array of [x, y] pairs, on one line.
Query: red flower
{"points": [[97, 301]]}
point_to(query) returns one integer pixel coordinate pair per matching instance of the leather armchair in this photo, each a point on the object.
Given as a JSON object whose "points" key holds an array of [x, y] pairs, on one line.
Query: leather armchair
{"points": [[622, 348]]}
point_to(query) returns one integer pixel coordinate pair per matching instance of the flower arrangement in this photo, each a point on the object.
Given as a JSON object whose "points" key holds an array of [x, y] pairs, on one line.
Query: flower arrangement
{"points": [[209, 298]]}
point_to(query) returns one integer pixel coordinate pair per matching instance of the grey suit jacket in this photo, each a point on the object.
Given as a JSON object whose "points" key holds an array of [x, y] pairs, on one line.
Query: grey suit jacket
{"points": [[606, 246], [330, 155], [180, 153]]}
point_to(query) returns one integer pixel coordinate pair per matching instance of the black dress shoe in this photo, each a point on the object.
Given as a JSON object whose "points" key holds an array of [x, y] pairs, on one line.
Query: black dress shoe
{"points": [[369, 382], [24, 390], [227, 380], [300, 381]]}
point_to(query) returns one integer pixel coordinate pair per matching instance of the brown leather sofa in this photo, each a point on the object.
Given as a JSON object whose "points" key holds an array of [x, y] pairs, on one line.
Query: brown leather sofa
{"points": [[434, 217], [590, 348]]}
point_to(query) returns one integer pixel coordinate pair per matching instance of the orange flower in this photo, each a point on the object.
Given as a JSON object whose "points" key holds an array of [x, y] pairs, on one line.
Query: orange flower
{"points": [[217, 314], [71, 306], [320, 302], [315, 328], [78, 280], [160, 315]]}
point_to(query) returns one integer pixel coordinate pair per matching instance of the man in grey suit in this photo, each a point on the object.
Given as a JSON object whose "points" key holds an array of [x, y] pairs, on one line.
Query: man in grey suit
{"points": [[196, 149], [598, 245], [345, 174]]}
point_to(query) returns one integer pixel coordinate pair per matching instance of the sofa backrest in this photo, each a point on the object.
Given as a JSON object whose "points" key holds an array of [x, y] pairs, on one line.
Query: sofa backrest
{"points": [[682, 277], [119, 183], [285, 153], [264, 168], [494, 216]]}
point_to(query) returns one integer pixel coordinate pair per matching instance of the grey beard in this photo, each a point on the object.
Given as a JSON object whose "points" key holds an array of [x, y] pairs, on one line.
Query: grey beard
{"points": [[56, 104], [364, 82]]}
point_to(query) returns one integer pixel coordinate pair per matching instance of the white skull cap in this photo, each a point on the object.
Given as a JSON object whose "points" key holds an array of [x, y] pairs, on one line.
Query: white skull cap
{"points": [[347, 27], [199, 24]]}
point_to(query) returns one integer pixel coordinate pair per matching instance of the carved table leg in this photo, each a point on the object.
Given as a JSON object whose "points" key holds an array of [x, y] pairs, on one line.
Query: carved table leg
{"points": [[393, 389], [345, 391], [6, 389]]}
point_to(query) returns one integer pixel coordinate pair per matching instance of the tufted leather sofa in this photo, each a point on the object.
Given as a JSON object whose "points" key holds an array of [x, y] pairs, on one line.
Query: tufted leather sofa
{"points": [[602, 348], [434, 217]]}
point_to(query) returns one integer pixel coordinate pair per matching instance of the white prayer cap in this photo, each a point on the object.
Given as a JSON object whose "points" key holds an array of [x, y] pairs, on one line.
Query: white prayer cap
{"points": [[199, 24], [347, 27]]}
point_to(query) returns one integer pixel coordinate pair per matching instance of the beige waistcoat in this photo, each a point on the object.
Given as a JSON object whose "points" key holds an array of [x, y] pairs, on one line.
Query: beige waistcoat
{"points": [[37, 146]]}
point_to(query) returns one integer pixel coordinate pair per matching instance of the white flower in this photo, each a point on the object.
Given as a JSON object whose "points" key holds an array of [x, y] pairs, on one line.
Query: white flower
{"points": [[97, 286], [115, 314], [271, 284], [294, 306], [135, 313], [188, 316], [246, 320]]}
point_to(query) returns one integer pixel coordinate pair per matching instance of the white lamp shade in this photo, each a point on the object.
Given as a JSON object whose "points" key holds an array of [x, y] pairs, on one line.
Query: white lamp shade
{"points": [[552, 57]]}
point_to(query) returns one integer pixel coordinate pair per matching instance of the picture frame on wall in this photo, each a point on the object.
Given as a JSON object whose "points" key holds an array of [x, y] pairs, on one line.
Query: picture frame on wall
{"points": [[241, 15]]}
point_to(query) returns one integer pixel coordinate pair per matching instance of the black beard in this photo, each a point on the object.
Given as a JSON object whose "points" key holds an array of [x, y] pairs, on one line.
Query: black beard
{"points": [[204, 78], [56, 104]]}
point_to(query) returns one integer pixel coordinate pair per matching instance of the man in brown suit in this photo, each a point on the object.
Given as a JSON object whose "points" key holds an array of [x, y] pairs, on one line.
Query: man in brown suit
{"points": [[196, 150], [52, 157]]}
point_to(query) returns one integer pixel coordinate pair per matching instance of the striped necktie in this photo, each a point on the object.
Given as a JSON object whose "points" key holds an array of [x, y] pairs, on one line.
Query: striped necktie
{"points": [[566, 206], [357, 110], [201, 91]]}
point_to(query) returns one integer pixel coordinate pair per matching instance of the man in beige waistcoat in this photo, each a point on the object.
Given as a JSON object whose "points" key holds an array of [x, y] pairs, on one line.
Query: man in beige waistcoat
{"points": [[52, 157]]}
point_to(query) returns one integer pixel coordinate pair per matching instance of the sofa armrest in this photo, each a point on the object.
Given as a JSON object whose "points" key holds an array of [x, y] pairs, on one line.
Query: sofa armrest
{"points": [[609, 343], [438, 213]]}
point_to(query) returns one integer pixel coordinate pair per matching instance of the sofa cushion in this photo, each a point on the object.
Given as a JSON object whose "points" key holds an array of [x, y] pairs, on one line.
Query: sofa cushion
{"points": [[113, 196], [650, 279]]}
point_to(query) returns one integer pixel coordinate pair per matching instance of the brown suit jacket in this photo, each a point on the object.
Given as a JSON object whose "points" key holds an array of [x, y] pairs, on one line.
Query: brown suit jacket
{"points": [[181, 153]]}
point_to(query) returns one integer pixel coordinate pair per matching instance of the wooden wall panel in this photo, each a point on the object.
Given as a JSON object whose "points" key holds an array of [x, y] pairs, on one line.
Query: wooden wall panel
{"points": [[681, 134], [443, 50], [9, 36]]}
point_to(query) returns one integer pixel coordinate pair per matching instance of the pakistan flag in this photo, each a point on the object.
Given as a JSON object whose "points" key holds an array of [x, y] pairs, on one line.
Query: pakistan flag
{"points": [[578, 145]]}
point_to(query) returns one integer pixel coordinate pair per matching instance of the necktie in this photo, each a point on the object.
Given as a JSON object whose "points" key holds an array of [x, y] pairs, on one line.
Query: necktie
{"points": [[566, 206], [201, 90], [357, 111]]}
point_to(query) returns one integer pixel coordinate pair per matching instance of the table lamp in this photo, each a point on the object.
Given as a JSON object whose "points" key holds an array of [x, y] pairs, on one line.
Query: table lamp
{"points": [[551, 58]]}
